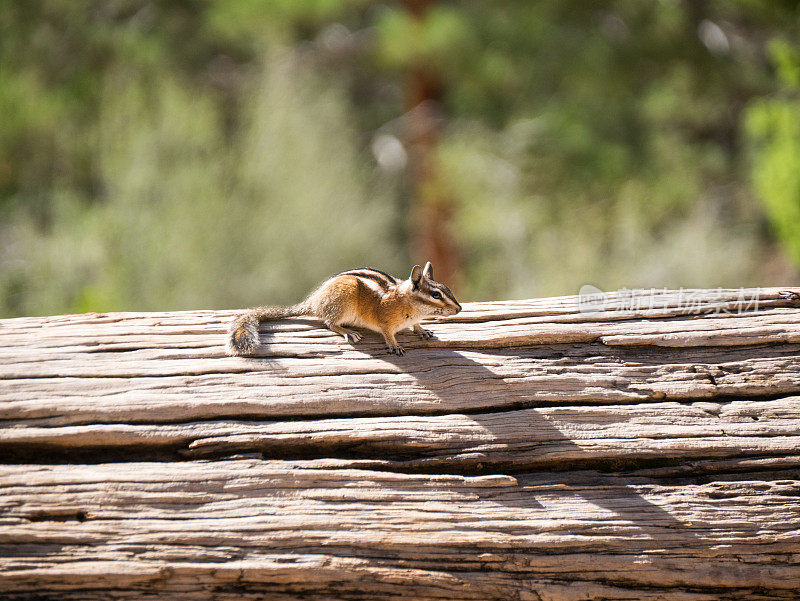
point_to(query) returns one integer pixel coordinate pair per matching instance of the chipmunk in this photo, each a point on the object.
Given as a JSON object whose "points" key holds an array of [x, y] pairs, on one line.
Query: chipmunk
{"points": [[366, 298]]}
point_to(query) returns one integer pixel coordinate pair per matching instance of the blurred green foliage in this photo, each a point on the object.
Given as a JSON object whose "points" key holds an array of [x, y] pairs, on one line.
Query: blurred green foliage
{"points": [[219, 153], [773, 125]]}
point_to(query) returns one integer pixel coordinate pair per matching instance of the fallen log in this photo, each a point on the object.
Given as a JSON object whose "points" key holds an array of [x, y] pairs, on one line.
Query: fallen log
{"points": [[635, 445]]}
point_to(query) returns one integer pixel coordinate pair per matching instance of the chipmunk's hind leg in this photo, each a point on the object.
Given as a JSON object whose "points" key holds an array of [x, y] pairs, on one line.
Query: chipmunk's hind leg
{"points": [[333, 311], [347, 333]]}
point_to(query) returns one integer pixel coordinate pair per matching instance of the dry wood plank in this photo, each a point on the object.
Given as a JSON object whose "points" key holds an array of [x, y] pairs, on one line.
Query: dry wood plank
{"points": [[145, 384], [542, 438], [636, 445], [439, 536]]}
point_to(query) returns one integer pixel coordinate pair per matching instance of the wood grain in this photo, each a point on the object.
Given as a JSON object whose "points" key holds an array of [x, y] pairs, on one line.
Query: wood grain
{"points": [[638, 445]]}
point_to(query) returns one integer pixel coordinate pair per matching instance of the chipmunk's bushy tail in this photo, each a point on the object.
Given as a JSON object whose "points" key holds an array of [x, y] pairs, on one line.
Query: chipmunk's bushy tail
{"points": [[243, 333]]}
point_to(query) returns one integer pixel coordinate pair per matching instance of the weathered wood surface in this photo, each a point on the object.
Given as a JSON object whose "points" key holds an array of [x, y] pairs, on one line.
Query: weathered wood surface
{"points": [[645, 447]]}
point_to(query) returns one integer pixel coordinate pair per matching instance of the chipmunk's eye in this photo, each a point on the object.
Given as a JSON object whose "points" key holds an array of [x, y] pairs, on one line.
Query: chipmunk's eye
{"points": [[436, 294]]}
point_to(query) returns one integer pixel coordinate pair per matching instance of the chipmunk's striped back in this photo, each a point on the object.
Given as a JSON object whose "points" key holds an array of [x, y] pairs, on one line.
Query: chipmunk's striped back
{"points": [[383, 280]]}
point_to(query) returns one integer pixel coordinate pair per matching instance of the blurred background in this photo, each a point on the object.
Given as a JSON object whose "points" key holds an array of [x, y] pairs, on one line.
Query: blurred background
{"points": [[187, 154]]}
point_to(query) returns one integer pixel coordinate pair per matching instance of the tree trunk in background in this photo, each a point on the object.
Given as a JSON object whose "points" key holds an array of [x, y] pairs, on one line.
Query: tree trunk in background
{"points": [[432, 207]]}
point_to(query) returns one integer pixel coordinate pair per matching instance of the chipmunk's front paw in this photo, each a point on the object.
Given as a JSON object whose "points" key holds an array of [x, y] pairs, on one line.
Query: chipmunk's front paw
{"points": [[423, 333], [396, 350]]}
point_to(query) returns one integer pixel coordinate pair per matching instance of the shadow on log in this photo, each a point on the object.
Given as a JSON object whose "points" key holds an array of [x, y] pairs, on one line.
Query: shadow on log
{"points": [[641, 446]]}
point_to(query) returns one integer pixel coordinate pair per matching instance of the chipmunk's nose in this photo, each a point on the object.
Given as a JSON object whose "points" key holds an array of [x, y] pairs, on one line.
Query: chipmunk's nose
{"points": [[457, 309]]}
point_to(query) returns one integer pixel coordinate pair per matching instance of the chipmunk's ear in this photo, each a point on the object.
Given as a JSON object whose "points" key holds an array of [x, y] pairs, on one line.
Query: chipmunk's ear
{"points": [[416, 276], [428, 271]]}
